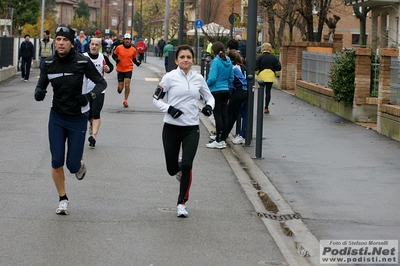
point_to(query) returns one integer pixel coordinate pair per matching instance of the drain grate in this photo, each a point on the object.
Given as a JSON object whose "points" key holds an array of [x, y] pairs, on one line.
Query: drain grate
{"points": [[278, 217]]}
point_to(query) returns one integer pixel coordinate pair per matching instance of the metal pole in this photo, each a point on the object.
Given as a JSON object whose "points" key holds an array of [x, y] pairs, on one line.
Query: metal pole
{"points": [[124, 17], [250, 63], [141, 18], [260, 117], [133, 6], [231, 30], [101, 17], [180, 34], [42, 23], [196, 11], [107, 11], [197, 39], [11, 24], [166, 20]]}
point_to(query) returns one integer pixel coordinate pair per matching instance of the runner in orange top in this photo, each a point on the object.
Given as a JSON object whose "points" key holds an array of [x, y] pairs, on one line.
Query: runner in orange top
{"points": [[125, 55]]}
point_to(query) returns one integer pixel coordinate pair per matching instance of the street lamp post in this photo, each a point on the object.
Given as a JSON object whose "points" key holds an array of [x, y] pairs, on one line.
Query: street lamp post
{"points": [[180, 33], [11, 10], [166, 20], [107, 11], [132, 8], [124, 18], [140, 20], [42, 23]]}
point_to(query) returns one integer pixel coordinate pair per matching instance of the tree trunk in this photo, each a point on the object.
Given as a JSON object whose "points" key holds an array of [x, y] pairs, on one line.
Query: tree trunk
{"points": [[271, 29]]}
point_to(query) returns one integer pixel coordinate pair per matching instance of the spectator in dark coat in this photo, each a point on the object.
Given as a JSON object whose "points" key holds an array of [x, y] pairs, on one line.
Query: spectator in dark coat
{"points": [[242, 46], [160, 45], [267, 67], [25, 55]]}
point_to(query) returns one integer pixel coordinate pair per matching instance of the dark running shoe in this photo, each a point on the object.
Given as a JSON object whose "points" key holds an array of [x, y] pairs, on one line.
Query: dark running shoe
{"points": [[92, 142]]}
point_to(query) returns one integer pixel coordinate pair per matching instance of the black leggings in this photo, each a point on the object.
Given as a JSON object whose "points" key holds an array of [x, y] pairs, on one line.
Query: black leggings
{"points": [[268, 87], [173, 138], [220, 113], [235, 102]]}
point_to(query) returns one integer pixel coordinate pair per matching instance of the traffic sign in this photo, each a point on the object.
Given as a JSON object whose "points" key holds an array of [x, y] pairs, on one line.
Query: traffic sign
{"points": [[198, 23]]}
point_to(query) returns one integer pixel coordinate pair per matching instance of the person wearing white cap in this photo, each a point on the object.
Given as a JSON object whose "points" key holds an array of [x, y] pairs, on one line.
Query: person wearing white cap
{"points": [[124, 56]]}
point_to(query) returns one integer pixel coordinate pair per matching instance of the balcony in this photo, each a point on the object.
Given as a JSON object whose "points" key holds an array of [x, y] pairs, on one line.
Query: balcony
{"points": [[370, 3]]}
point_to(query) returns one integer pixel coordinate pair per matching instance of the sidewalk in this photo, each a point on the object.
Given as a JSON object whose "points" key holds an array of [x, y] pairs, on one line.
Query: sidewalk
{"points": [[342, 178]]}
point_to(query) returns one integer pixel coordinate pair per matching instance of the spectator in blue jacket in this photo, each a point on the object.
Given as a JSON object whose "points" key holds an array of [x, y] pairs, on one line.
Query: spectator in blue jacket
{"points": [[218, 80], [81, 43], [238, 91]]}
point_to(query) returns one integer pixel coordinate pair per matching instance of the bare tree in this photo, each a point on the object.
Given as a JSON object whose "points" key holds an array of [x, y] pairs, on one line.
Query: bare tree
{"points": [[208, 10], [362, 16], [269, 5], [324, 6], [306, 10], [288, 12]]}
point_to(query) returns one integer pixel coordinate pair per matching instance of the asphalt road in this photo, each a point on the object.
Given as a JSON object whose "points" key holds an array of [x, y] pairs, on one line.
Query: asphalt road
{"points": [[320, 178], [123, 212]]}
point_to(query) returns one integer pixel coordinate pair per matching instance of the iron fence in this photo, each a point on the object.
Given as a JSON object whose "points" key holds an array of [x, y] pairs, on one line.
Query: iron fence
{"points": [[6, 51], [316, 68]]}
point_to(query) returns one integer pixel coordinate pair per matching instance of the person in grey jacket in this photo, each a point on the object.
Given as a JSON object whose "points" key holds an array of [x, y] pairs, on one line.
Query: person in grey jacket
{"points": [[46, 48], [25, 55]]}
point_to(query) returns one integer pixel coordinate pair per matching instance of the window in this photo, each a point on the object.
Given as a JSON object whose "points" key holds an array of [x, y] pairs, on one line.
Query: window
{"points": [[355, 39], [114, 22]]}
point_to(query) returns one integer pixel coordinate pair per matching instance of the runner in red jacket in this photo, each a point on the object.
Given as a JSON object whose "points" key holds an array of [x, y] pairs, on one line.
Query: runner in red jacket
{"points": [[141, 48]]}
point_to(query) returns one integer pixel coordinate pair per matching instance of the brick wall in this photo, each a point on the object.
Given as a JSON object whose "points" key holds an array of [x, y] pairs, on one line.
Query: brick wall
{"points": [[291, 59], [363, 75]]}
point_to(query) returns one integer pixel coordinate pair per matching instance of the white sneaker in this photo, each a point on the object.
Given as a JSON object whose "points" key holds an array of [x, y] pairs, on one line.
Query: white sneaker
{"points": [[216, 145], [213, 137], [223, 143], [181, 211], [62, 207], [238, 140]]}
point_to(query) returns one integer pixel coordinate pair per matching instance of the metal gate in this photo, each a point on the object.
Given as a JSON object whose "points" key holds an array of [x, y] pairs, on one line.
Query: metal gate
{"points": [[395, 80]]}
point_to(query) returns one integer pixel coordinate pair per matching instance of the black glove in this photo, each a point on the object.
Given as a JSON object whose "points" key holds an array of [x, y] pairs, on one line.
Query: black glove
{"points": [[83, 99], [138, 63], [40, 94], [207, 110], [175, 113]]}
